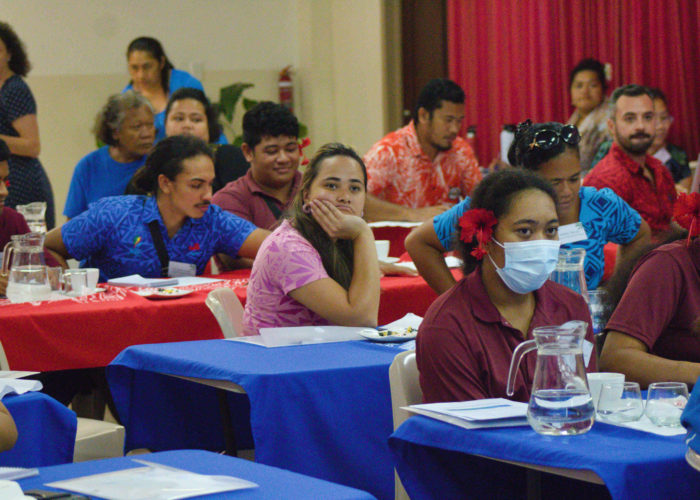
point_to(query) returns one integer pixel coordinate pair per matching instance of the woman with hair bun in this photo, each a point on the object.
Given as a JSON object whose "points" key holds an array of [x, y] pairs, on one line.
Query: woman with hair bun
{"points": [[591, 218], [19, 127], [121, 235], [509, 245]]}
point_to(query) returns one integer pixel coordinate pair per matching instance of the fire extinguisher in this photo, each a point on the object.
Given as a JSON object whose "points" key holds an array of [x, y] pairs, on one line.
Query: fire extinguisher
{"points": [[285, 88]]}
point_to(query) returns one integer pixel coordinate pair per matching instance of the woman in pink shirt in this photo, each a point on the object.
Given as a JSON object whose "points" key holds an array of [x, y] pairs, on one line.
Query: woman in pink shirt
{"points": [[320, 266]]}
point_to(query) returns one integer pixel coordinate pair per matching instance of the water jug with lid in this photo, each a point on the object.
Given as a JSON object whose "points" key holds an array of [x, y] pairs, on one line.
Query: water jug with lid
{"points": [[560, 401], [23, 260]]}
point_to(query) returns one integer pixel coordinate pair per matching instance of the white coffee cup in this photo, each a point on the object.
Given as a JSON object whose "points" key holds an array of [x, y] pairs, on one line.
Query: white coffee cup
{"points": [[382, 249], [93, 276], [596, 381]]}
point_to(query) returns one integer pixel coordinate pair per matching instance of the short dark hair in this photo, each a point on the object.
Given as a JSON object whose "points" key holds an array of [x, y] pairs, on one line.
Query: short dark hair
{"points": [[166, 158], [4, 151], [19, 63], [209, 110], [496, 193], [436, 91], [631, 90], [110, 118], [656, 93], [268, 119], [520, 154], [590, 64], [153, 47]]}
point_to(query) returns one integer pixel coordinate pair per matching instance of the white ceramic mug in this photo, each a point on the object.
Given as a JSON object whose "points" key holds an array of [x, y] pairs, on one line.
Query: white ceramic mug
{"points": [[596, 381], [382, 249]]}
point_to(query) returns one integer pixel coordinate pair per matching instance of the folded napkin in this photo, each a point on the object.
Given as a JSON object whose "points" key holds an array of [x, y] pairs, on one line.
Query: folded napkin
{"points": [[18, 386]]}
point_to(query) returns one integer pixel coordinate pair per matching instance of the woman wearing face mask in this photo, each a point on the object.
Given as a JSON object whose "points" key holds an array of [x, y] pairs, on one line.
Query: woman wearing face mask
{"points": [[550, 150], [320, 266], [509, 245]]}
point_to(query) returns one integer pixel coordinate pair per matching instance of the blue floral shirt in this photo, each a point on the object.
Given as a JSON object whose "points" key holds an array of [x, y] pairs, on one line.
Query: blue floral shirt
{"points": [[113, 235], [604, 215]]}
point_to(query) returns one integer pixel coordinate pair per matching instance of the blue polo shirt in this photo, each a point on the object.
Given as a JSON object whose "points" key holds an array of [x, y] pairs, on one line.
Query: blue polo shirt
{"points": [[113, 235], [96, 176], [604, 215]]}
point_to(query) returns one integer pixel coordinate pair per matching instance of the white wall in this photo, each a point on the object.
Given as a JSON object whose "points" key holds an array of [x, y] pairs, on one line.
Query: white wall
{"points": [[77, 49]]}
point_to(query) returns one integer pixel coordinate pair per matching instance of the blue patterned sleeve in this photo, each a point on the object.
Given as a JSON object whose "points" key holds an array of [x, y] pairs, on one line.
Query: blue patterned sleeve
{"points": [[87, 233], [446, 223], [231, 230], [622, 221]]}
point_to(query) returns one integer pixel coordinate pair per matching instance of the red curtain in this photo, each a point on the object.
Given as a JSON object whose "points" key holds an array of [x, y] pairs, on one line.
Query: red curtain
{"points": [[513, 58]]}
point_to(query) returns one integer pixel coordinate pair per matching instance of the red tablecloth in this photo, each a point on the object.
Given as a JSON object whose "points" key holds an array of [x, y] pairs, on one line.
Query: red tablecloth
{"points": [[90, 331], [396, 236]]}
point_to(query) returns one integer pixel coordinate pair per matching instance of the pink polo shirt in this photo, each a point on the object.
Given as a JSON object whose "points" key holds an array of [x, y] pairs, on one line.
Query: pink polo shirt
{"points": [[662, 301], [286, 261], [244, 198], [464, 345]]}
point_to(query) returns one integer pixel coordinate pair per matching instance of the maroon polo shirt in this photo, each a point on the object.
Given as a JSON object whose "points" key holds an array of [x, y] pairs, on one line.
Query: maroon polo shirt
{"points": [[662, 300], [244, 198], [464, 345], [622, 174]]}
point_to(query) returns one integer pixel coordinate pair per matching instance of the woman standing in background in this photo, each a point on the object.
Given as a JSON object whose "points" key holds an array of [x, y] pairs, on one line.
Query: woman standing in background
{"points": [[19, 127]]}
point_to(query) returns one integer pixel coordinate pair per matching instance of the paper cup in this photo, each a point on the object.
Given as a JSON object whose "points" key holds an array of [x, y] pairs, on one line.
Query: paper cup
{"points": [[382, 249], [596, 381]]}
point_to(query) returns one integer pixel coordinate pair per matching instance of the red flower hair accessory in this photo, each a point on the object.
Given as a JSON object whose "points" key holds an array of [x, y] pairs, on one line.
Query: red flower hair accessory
{"points": [[302, 144], [686, 212], [477, 222]]}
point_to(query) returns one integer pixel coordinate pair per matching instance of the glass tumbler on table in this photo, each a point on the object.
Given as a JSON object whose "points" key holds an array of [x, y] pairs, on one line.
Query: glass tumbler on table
{"points": [[665, 403], [620, 402]]}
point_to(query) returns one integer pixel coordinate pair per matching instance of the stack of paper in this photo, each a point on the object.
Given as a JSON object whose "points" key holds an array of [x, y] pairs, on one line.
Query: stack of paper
{"points": [[138, 280], [494, 412], [18, 386]]}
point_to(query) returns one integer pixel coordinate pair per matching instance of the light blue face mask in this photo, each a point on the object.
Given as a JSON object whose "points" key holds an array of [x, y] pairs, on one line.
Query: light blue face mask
{"points": [[528, 264]]}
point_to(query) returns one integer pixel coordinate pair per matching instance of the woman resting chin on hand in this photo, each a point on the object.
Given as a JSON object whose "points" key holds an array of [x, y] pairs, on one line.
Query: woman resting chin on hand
{"points": [[320, 266]]}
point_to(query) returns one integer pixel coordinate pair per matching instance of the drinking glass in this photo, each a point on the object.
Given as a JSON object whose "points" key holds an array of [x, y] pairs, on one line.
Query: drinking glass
{"points": [[620, 402], [74, 282], [665, 403]]}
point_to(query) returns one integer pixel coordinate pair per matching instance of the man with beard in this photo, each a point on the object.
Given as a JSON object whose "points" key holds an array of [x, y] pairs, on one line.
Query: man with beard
{"points": [[639, 179], [420, 170]]}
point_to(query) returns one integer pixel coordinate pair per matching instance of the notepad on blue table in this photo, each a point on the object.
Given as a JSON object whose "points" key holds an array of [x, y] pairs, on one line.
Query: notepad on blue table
{"points": [[492, 412]]}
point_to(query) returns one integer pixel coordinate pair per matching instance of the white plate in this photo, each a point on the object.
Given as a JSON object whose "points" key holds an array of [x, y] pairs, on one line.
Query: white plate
{"points": [[163, 293], [373, 335], [389, 260]]}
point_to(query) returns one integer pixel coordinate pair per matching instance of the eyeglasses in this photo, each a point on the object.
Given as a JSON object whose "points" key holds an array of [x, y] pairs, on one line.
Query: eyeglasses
{"points": [[548, 138]]}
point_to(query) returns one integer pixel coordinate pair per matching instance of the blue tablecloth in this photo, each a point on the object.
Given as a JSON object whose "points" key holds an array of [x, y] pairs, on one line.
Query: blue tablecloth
{"points": [[322, 410], [273, 483], [431, 461], [46, 430]]}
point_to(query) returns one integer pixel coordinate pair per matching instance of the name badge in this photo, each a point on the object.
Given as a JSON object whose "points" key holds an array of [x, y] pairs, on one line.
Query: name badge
{"points": [[571, 233], [179, 269]]}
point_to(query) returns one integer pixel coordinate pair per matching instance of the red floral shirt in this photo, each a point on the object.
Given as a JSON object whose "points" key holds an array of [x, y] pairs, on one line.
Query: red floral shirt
{"points": [[398, 171], [622, 174]]}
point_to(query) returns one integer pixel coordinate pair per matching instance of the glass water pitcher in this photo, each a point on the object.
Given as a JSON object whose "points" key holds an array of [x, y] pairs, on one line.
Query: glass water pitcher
{"points": [[560, 400], [569, 271], [23, 260]]}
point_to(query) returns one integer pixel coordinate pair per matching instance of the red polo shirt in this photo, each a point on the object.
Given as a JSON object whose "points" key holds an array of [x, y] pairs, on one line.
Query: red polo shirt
{"points": [[662, 301], [622, 174], [464, 345], [244, 198]]}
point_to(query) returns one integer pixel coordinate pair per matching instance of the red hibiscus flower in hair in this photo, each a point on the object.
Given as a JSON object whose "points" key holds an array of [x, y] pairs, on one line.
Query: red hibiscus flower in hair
{"points": [[477, 222], [686, 212], [302, 145]]}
